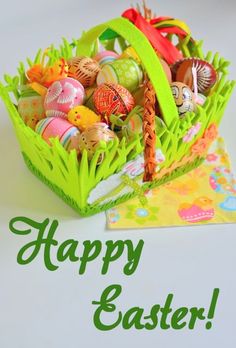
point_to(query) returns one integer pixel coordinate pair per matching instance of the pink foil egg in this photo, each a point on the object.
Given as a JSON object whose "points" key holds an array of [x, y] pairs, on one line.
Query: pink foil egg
{"points": [[62, 96], [53, 127]]}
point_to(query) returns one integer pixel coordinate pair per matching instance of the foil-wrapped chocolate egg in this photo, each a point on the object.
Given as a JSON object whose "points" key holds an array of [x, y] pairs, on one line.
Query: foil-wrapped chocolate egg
{"points": [[106, 57], [135, 124], [126, 72], [166, 69], [131, 125], [89, 97], [183, 97], [62, 96], [139, 96], [90, 139], [113, 99], [206, 75], [83, 69], [130, 52], [31, 109], [82, 117], [200, 99], [56, 127]]}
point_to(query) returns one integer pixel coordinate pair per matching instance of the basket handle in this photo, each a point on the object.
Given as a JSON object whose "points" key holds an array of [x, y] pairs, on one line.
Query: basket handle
{"points": [[148, 56]]}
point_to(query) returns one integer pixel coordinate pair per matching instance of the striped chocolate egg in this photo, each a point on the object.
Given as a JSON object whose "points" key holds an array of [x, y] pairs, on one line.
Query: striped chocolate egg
{"points": [[206, 75], [83, 69], [53, 127], [106, 57]]}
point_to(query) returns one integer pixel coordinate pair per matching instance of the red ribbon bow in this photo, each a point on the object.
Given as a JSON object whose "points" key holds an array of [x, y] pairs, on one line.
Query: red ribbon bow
{"points": [[159, 42]]}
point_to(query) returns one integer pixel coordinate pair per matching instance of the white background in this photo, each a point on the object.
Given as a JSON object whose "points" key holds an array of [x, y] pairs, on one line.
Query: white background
{"points": [[43, 309]]}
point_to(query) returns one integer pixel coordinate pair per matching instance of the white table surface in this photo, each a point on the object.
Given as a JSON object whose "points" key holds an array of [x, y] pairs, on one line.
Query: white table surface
{"points": [[43, 309]]}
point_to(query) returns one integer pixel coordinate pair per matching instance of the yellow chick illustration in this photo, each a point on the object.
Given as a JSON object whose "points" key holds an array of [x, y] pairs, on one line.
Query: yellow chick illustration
{"points": [[201, 202], [184, 188], [82, 117]]}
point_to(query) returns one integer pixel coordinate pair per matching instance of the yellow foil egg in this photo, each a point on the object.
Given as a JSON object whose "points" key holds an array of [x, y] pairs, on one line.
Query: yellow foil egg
{"points": [[82, 117], [130, 52]]}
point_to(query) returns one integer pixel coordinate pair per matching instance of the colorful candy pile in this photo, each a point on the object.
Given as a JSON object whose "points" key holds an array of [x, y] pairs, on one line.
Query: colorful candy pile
{"points": [[87, 101]]}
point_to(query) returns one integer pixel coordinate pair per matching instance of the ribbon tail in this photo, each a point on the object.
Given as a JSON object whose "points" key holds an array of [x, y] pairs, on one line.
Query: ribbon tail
{"points": [[173, 30], [160, 43]]}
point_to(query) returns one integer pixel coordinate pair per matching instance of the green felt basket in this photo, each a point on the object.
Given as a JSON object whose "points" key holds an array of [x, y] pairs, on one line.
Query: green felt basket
{"points": [[90, 188]]}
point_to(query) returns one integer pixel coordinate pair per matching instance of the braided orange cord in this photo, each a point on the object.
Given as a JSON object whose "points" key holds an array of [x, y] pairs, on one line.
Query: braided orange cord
{"points": [[149, 134]]}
